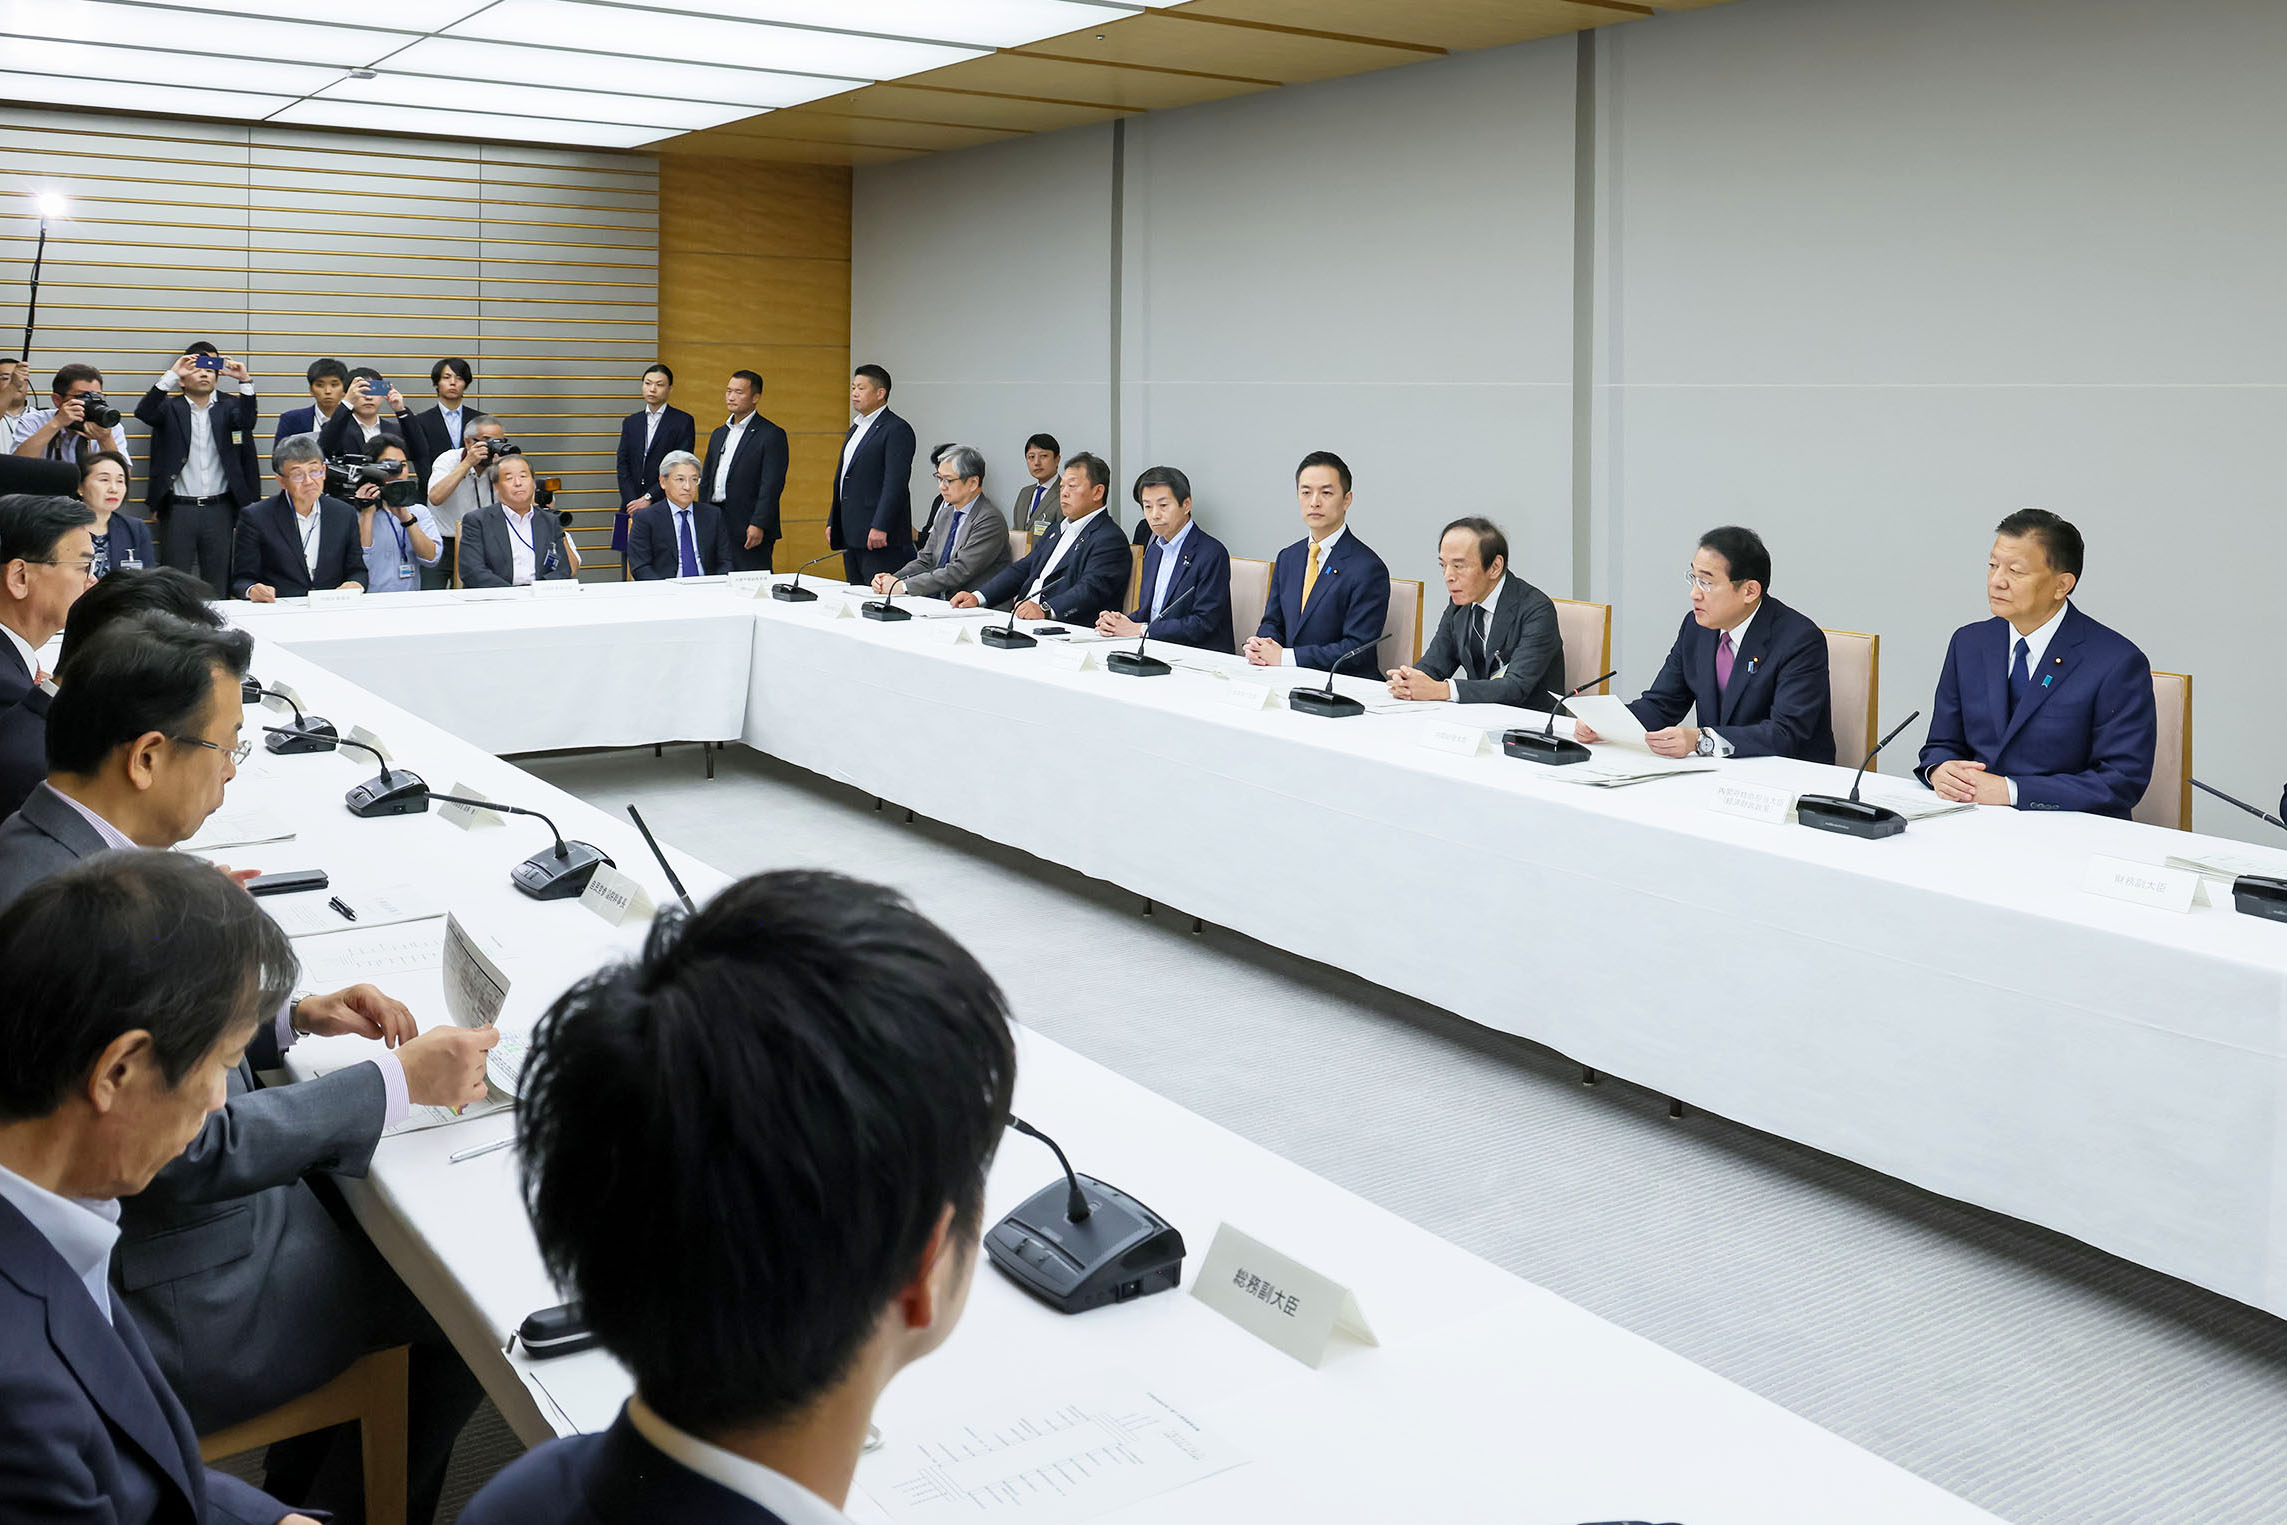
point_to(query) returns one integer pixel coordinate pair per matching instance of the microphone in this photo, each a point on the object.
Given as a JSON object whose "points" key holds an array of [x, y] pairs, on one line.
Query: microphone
{"points": [[1007, 637], [2254, 894], [307, 734], [397, 791], [1324, 701], [1853, 817], [665, 867], [793, 592], [1134, 663], [1078, 1244], [557, 874], [885, 607], [1544, 745]]}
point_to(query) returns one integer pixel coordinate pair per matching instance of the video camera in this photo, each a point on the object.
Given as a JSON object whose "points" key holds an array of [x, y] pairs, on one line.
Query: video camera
{"points": [[346, 474]]}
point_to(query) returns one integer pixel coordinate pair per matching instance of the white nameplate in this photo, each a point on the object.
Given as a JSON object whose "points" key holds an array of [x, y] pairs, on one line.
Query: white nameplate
{"points": [[843, 609], [951, 632], [1460, 740], [468, 817], [555, 587], [2171, 889], [361, 734], [1279, 1300], [280, 698], [1249, 696], [1073, 657], [750, 582], [1754, 802], [333, 598], [616, 897]]}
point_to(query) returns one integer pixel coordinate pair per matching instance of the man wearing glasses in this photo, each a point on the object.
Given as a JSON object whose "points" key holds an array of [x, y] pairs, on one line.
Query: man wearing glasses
{"points": [[46, 557], [300, 539], [968, 541], [1754, 668]]}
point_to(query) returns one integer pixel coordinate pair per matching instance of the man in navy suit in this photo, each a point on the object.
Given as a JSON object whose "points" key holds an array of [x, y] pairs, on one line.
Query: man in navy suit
{"points": [[1077, 570], [679, 536], [202, 466], [360, 425], [1754, 669], [300, 539], [871, 521], [2041, 707], [646, 438], [745, 473], [137, 980], [328, 379], [438, 431], [1185, 592], [824, 1214], [1330, 595]]}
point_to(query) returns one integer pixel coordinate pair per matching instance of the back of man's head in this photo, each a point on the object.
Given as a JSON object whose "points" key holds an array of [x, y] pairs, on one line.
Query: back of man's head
{"points": [[143, 673], [738, 1150], [32, 522], [158, 590]]}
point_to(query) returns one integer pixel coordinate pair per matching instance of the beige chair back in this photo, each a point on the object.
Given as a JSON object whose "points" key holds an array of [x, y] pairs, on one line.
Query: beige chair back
{"points": [[1135, 579], [1586, 630], [1401, 647], [1020, 544], [2168, 800], [1854, 690], [1250, 595]]}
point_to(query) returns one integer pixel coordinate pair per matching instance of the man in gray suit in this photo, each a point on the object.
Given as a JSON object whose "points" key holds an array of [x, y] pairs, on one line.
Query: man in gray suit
{"points": [[248, 1289], [1498, 642], [969, 540], [512, 542]]}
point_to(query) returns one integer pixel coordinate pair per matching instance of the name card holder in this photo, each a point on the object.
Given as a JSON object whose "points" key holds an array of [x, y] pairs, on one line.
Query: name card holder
{"points": [[332, 598], [468, 817], [842, 609], [951, 632], [555, 587], [2170, 889], [616, 897], [1073, 657], [1250, 696], [1460, 740], [1753, 802], [753, 584], [1277, 1299], [281, 699], [359, 733]]}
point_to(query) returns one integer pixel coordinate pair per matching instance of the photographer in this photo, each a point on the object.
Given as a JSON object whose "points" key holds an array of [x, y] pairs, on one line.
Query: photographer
{"points": [[516, 540], [353, 430], [15, 402], [66, 432], [122, 541], [458, 484], [300, 539], [395, 529], [202, 467]]}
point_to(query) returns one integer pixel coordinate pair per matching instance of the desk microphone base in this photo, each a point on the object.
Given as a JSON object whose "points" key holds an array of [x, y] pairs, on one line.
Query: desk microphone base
{"points": [[1005, 638], [1121, 1251], [1849, 818], [883, 609], [1322, 702], [544, 876], [2258, 895], [1135, 664], [395, 792], [1544, 747], [792, 593], [318, 737]]}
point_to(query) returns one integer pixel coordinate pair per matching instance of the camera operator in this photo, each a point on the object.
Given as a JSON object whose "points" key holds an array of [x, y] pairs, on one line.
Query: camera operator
{"points": [[300, 539], [353, 430], [516, 540], [459, 484], [66, 432], [395, 529], [202, 469], [15, 402]]}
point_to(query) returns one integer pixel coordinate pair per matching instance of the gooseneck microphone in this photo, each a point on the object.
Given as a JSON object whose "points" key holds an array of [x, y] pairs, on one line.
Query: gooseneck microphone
{"points": [[550, 874], [665, 867], [1853, 817], [307, 734], [885, 607], [398, 791], [1007, 637], [793, 592], [1134, 663], [1544, 745], [2254, 894], [2261, 815], [1078, 1244], [1324, 702]]}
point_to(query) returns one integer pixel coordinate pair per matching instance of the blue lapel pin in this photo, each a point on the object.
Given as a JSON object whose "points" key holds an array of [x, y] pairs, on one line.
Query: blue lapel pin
{"points": [[1752, 663]]}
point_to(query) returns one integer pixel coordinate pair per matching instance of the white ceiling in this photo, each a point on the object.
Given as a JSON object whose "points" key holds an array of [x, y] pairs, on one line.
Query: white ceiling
{"points": [[572, 72]]}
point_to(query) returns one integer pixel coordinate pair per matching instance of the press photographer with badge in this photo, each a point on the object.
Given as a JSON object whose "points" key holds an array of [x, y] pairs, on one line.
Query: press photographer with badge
{"points": [[459, 485], [122, 541], [300, 539], [395, 529], [520, 539]]}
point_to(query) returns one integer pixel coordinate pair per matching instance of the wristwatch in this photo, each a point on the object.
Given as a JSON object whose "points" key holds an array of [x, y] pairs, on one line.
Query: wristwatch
{"points": [[1706, 747]]}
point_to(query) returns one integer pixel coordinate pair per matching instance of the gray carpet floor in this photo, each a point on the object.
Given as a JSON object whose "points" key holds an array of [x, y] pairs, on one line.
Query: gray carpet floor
{"points": [[2032, 1375]]}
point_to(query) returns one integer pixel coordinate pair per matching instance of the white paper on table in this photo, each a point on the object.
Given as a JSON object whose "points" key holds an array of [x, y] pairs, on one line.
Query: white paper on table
{"points": [[376, 953], [1610, 718], [1914, 804], [419, 1119], [1619, 773], [240, 824], [381, 905], [1080, 1448]]}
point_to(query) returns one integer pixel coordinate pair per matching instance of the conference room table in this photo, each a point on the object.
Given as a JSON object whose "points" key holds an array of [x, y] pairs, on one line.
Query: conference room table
{"points": [[1481, 1396], [1950, 1006]]}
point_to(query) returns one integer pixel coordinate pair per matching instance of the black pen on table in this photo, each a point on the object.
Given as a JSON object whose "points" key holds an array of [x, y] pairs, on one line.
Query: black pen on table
{"points": [[337, 903]]}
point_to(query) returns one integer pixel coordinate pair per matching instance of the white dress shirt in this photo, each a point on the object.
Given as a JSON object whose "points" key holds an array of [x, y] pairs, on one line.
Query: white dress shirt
{"points": [[864, 421], [2036, 647], [773, 1490], [1325, 555], [1170, 559], [24, 652], [310, 524], [1491, 603], [201, 476], [36, 419], [1738, 644], [469, 494], [523, 557], [735, 430], [452, 418], [13, 431], [81, 1230], [1068, 538], [651, 425]]}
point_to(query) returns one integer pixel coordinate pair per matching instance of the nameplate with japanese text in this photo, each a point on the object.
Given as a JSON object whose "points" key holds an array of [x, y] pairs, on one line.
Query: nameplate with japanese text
{"points": [[2171, 889], [1276, 1298]]}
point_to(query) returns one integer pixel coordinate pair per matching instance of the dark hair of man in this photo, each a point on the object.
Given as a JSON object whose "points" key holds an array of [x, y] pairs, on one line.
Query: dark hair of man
{"points": [[753, 382], [659, 368], [144, 673], [1742, 551], [1490, 541], [1162, 476], [72, 375], [155, 590], [200, 347], [879, 376], [2059, 540], [328, 369], [372, 379], [1098, 473], [788, 1088], [1325, 458], [31, 524], [387, 439], [126, 467], [151, 940], [1045, 442], [457, 366]]}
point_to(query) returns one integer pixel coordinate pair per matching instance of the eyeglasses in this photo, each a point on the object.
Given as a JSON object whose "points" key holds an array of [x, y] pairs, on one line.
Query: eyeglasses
{"points": [[1702, 584], [946, 481], [238, 754], [84, 565]]}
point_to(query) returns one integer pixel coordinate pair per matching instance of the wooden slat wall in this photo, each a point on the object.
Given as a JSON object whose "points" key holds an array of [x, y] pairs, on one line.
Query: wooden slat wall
{"points": [[754, 274], [540, 266]]}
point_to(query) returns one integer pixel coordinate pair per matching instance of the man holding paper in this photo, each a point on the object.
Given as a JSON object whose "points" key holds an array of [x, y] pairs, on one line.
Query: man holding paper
{"points": [[1754, 669]]}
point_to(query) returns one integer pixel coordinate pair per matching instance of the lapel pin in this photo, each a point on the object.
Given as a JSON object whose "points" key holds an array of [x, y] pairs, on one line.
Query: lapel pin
{"points": [[1751, 665]]}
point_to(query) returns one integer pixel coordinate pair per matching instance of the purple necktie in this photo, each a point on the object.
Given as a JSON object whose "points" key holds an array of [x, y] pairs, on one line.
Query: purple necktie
{"points": [[1723, 663]]}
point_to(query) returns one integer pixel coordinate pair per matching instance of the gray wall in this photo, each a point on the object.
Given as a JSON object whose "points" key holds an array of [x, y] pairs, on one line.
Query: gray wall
{"points": [[1865, 277]]}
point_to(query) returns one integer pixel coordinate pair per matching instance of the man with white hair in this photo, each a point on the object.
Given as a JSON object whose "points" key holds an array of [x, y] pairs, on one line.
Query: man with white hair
{"points": [[680, 537]]}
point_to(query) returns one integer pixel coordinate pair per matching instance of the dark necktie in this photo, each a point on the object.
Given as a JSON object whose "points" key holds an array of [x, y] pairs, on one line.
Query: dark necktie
{"points": [[1473, 645], [683, 539], [2020, 676], [952, 537]]}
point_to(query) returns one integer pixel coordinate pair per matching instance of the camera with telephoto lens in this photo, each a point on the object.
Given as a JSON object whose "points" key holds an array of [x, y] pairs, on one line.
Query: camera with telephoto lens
{"points": [[96, 409], [346, 474], [495, 447]]}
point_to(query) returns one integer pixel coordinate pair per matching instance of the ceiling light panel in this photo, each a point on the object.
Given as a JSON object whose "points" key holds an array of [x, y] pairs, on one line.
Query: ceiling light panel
{"points": [[478, 62], [47, 89], [534, 100], [413, 121], [216, 32], [408, 15], [81, 60], [979, 23], [676, 35]]}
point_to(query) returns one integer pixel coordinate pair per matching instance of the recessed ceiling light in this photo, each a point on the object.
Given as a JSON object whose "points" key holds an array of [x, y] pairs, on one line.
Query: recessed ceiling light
{"points": [[673, 35], [534, 100], [415, 121], [215, 32], [115, 95], [460, 58]]}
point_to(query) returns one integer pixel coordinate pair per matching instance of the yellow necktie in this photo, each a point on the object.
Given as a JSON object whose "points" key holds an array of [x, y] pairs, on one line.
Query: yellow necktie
{"points": [[1310, 575]]}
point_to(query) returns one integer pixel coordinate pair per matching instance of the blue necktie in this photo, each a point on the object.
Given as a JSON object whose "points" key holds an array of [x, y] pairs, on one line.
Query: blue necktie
{"points": [[683, 539], [952, 537], [2020, 678], [1150, 589]]}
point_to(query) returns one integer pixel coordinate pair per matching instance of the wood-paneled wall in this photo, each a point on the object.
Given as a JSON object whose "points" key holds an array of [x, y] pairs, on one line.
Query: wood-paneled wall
{"points": [[754, 274]]}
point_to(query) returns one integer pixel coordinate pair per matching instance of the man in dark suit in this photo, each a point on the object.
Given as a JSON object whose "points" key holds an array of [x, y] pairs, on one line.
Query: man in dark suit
{"points": [[328, 379], [136, 982], [299, 539], [646, 438], [1498, 641], [745, 473], [202, 468], [967, 542], [1330, 594], [511, 542], [45, 555], [679, 536], [438, 431], [1184, 595], [871, 520], [1074, 572], [357, 428], [824, 1227], [2041, 707], [1754, 668], [1033, 508], [250, 1291]]}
